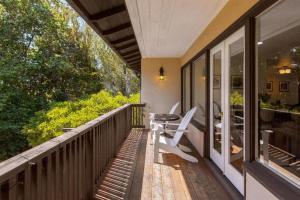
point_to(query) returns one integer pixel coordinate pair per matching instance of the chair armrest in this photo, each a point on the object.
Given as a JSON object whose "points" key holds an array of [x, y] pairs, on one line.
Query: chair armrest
{"points": [[180, 130], [167, 123]]}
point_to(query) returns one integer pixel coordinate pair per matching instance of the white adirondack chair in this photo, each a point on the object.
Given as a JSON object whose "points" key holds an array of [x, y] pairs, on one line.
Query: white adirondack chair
{"points": [[151, 115], [171, 144]]}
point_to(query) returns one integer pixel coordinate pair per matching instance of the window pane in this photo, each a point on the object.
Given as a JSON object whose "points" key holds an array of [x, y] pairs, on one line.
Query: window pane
{"points": [[186, 88], [199, 89], [217, 110], [278, 68], [236, 109]]}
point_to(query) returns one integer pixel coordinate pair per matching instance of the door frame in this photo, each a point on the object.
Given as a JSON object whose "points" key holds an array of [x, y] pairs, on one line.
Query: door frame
{"points": [[230, 172], [223, 160], [215, 155]]}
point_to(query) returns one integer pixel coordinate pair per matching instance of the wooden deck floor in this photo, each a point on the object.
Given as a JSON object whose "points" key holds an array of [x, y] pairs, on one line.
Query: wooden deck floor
{"points": [[133, 175]]}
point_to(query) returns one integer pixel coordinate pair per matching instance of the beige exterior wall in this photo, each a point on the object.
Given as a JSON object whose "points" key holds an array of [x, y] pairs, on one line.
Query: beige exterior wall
{"points": [[255, 191], [231, 12], [160, 95]]}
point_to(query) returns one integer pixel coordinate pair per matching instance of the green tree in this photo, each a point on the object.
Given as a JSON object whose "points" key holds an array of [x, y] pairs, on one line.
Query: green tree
{"points": [[47, 55], [47, 124]]}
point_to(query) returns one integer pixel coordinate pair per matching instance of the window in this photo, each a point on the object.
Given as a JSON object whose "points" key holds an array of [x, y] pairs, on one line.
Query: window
{"points": [[199, 89], [278, 89], [186, 88]]}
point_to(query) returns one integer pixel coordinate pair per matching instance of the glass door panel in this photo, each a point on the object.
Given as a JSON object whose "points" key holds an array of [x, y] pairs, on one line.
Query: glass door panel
{"points": [[234, 109], [227, 108], [216, 105], [236, 104], [217, 110]]}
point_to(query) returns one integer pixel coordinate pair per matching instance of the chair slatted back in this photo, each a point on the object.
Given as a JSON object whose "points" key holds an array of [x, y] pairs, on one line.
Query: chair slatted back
{"points": [[172, 111], [183, 125]]}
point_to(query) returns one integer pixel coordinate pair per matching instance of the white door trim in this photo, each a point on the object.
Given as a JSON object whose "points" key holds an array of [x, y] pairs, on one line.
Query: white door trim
{"points": [[214, 154], [223, 160], [230, 172]]}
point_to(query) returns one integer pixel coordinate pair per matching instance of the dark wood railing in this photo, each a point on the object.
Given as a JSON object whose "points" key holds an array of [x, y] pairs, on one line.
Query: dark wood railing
{"points": [[137, 115], [69, 166]]}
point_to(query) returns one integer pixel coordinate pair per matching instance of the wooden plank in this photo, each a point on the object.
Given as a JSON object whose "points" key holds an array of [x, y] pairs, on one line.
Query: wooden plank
{"points": [[133, 63], [39, 183], [71, 170], [131, 52], [167, 185], [58, 177], [49, 178], [12, 188], [125, 46], [27, 183], [117, 28], [107, 13], [80, 170], [84, 181], [76, 168], [133, 59], [178, 186], [148, 171], [185, 181], [123, 39], [137, 182], [65, 174]]}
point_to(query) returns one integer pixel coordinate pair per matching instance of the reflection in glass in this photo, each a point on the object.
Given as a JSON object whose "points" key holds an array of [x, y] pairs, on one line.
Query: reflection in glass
{"points": [[199, 89], [236, 91], [278, 69], [186, 88], [217, 110]]}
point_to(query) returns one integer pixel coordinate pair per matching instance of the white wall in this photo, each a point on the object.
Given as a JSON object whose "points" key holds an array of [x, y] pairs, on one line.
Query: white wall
{"points": [[196, 137], [256, 191], [160, 95]]}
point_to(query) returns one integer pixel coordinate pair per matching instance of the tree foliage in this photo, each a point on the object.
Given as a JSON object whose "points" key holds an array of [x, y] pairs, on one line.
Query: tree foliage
{"points": [[70, 114], [47, 55]]}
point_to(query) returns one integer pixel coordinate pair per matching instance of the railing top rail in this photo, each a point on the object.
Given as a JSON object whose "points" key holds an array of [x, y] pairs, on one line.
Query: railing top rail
{"points": [[32, 155], [139, 104]]}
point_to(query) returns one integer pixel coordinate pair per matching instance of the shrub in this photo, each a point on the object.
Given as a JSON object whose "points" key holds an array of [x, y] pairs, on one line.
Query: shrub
{"points": [[48, 124]]}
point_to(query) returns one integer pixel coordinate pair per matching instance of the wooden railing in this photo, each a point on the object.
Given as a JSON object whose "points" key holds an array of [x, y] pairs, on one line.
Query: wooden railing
{"points": [[69, 166], [137, 115]]}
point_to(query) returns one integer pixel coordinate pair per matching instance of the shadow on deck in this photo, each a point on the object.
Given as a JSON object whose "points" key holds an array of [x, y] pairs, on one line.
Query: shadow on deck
{"points": [[133, 175]]}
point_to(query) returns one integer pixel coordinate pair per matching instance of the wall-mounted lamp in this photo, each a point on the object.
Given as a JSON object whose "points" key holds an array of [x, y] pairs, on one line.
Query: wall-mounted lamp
{"points": [[161, 73], [285, 70]]}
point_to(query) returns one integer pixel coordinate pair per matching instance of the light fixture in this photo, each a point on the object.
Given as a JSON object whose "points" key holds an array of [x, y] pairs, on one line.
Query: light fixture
{"points": [[161, 73], [285, 70], [259, 43]]}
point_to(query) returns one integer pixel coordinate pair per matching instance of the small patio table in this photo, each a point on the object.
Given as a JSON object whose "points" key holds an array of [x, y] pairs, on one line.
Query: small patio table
{"points": [[166, 118]]}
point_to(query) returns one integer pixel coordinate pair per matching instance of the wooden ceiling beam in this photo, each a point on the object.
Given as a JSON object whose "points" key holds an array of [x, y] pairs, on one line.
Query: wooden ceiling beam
{"points": [[134, 62], [125, 46], [133, 59], [123, 39], [108, 13], [137, 54], [130, 52], [116, 29]]}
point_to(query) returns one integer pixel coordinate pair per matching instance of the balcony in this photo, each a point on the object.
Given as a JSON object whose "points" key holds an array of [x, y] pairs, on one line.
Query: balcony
{"points": [[110, 157]]}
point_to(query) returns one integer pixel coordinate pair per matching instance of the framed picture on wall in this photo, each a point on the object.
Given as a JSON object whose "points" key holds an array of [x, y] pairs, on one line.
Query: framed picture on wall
{"points": [[269, 86], [283, 86], [236, 82], [217, 82]]}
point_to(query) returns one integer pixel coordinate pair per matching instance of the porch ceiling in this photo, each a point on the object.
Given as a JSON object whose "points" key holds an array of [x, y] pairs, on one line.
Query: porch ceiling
{"points": [[167, 28], [110, 19]]}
